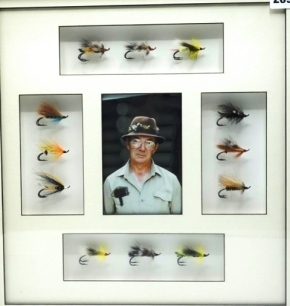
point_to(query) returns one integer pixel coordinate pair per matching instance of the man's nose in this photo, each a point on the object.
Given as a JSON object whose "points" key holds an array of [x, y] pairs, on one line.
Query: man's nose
{"points": [[142, 146]]}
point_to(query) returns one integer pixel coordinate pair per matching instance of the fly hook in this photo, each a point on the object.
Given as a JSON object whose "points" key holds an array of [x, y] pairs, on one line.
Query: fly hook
{"points": [[188, 252], [47, 111], [231, 184], [93, 252], [50, 148], [87, 47], [231, 112], [230, 146], [139, 251], [139, 47], [51, 185], [192, 49]]}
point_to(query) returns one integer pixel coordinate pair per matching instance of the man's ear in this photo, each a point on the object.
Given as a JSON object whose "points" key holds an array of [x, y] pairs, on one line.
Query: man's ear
{"points": [[127, 143], [156, 147]]}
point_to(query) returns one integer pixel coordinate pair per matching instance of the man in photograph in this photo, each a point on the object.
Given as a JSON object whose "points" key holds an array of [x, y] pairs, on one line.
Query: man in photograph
{"points": [[141, 186]]}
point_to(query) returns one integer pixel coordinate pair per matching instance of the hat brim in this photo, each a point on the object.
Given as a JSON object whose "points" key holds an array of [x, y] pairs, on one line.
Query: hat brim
{"points": [[159, 139]]}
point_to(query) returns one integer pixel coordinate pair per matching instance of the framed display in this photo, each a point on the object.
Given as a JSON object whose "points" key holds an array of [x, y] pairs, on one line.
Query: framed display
{"points": [[130, 49], [204, 254], [191, 97], [44, 142], [227, 122]]}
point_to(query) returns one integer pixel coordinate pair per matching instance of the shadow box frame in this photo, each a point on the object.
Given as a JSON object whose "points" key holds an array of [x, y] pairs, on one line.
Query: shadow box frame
{"points": [[28, 242]]}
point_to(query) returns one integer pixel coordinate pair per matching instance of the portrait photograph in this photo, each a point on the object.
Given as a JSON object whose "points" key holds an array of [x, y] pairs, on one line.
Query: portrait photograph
{"points": [[142, 153]]}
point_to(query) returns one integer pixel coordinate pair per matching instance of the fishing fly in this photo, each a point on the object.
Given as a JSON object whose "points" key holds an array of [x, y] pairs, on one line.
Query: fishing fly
{"points": [[101, 253], [139, 251], [230, 184], [137, 47], [189, 252], [230, 146], [50, 149], [87, 47], [192, 49], [51, 185], [48, 111], [231, 112]]}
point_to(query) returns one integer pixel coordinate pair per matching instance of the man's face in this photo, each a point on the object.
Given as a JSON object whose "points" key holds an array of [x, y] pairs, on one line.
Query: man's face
{"points": [[142, 148]]}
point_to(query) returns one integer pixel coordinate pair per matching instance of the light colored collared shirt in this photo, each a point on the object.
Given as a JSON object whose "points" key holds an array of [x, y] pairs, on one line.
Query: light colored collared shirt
{"points": [[160, 193]]}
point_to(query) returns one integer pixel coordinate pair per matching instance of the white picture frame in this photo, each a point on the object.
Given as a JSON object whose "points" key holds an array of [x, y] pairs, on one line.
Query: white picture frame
{"points": [[256, 246]]}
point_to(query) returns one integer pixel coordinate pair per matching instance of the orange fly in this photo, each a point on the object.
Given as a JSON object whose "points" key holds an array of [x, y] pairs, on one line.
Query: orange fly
{"points": [[87, 47], [230, 184], [230, 146], [50, 149]]}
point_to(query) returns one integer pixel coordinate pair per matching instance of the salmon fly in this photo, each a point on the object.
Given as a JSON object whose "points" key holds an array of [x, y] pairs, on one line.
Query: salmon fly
{"points": [[139, 251], [188, 252], [50, 148], [139, 47], [87, 47], [192, 49], [231, 184], [51, 185], [231, 112], [230, 146], [101, 253], [48, 111]]}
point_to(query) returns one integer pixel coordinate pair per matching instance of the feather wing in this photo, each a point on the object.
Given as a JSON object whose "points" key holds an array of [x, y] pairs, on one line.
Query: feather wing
{"points": [[48, 178], [230, 182], [47, 110]]}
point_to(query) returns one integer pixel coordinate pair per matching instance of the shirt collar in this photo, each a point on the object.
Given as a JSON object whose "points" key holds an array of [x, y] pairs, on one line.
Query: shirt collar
{"points": [[125, 171]]}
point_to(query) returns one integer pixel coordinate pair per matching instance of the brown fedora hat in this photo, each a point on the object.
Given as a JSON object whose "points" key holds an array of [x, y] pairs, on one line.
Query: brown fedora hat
{"points": [[143, 126]]}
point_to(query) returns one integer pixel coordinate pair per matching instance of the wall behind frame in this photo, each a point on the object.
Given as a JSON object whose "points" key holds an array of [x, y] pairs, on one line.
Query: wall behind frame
{"points": [[34, 70]]}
